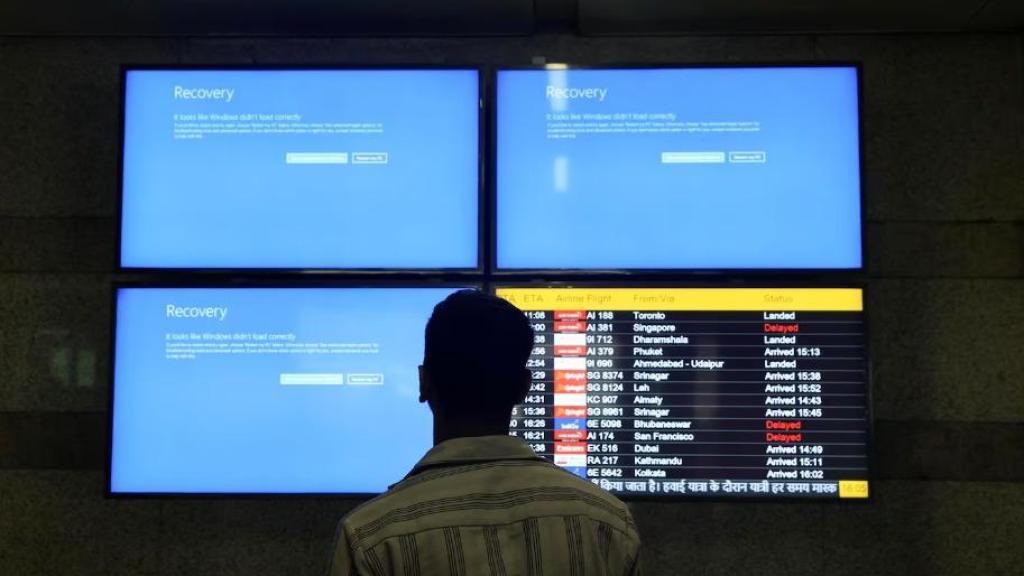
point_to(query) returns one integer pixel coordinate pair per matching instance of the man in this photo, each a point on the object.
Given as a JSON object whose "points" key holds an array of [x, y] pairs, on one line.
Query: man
{"points": [[480, 501]]}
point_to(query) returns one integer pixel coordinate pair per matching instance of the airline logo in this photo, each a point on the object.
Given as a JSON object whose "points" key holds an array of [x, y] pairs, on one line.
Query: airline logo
{"points": [[569, 435], [560, 326], [571, 454], [569, 423], [571, 377], [570, 460], [570, 314], [569, 339], [569, 344], [571, 364], [570, 411], [570, 387], [580, 471], [570, 350], [571, 448], [571, 400]]}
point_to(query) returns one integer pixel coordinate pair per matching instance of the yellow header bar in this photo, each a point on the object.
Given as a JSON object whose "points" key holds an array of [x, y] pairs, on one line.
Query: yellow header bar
{"points": [[687, 299]]}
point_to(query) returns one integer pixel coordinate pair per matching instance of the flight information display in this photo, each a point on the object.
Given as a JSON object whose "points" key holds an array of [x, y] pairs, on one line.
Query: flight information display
{"points": [[268, 390], [283, 169], [692, 168], [724, 392]]}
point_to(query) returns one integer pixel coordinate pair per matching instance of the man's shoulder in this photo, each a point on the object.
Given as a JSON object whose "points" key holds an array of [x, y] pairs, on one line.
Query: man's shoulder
{"points": [[526, 485]]}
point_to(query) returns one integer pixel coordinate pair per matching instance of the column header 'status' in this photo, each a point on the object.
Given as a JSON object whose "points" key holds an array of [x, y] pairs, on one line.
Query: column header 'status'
{"points": [[687, 299]]}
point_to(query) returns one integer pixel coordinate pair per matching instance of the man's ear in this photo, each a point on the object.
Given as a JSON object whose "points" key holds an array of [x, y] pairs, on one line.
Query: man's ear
{"points": [[426, 386]]}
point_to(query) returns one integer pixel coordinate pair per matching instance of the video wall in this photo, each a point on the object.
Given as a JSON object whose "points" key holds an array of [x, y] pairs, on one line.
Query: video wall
{"points": [[686, 243]]}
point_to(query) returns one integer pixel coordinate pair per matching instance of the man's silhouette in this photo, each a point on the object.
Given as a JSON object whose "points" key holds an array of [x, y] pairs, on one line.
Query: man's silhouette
{"points": [[480, 501]]}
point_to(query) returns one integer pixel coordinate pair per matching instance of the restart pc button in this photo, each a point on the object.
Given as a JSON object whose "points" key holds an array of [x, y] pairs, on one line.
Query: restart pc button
{"points": [[749, 157], [369, 157], [365, 379]]}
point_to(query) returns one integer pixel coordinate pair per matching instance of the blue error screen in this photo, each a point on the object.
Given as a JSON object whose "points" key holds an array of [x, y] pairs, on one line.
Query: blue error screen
{"points": [[300, 169], [703, 168], [268, 390]]}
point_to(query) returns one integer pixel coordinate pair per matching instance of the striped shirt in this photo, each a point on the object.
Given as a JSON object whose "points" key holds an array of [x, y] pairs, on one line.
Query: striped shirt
{"points": [[488, 505]]}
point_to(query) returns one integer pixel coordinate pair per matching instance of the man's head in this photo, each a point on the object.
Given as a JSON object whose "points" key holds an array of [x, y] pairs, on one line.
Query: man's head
{"points": [[474, 359]]}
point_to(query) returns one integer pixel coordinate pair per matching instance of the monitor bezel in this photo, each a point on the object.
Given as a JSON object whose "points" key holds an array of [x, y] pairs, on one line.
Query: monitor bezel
{"points": [[254, 284], [869, 443], [631, 273], [481, 257], [487, 276]]}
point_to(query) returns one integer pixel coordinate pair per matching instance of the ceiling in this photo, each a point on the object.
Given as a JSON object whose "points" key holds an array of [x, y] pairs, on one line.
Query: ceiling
{"points": [[502, 17]]}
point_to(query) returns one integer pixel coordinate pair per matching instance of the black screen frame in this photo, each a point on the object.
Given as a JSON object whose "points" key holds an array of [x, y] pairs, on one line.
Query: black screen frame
{"points": [[655, 273], [397, 272], [869, 440], [486, 276]]}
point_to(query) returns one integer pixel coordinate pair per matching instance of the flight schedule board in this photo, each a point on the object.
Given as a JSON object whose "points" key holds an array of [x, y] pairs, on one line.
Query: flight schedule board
{"points": [[721, 392]]}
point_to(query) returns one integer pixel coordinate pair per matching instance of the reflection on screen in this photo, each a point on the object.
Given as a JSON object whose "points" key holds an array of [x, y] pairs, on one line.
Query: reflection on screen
{"points": [[300, 169], [268, 390], [736, 168]]}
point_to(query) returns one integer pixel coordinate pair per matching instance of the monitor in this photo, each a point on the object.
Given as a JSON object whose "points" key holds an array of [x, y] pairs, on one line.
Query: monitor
{"points": [[300, 169], [678, 168], [267, 390], [710, 392]]}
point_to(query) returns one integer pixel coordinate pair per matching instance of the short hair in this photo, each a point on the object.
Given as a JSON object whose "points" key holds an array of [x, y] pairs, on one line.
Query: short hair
{"points": [[476, 347]]}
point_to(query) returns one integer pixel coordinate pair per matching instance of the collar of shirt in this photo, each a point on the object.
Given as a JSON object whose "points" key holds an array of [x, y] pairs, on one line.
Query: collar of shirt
{"points": [[474, 450]]}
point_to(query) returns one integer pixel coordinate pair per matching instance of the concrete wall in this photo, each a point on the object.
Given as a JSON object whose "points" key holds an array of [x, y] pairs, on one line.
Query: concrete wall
{"points": [[944, 181]]}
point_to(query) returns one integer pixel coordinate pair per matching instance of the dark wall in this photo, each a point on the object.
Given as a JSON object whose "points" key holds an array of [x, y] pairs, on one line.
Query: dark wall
{"points": [[944, 182]]}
